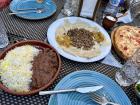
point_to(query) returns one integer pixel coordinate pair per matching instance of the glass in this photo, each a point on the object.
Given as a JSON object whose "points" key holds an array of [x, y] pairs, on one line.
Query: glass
{"points": [[128, 2], [135, 13], [3, 36], [112, 7], [130, 72], [71, 7]]}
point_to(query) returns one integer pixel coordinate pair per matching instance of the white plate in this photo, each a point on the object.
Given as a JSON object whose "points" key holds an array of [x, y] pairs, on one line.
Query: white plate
{"points": [[52, 40]]}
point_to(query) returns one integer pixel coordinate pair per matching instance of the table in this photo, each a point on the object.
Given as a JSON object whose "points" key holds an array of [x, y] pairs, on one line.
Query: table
{"points": [[19, 29]]}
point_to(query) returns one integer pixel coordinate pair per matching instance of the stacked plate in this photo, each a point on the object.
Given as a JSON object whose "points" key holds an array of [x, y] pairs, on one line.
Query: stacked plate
{"points": [[84, 78]]}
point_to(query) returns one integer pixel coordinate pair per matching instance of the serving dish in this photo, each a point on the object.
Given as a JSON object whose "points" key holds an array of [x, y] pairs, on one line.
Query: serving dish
{"points": [[32, 43], [51, 35]]}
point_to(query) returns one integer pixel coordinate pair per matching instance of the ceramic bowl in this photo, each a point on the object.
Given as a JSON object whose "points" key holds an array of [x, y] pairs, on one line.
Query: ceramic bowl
{"points": [[34, 43], [136, 89]]}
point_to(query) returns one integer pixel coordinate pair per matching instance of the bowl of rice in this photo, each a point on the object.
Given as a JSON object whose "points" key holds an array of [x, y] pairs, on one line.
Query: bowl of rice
{"points": [[28, 67]]}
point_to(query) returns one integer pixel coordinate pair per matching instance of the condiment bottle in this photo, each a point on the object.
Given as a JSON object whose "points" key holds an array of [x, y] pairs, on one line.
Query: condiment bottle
{"points": [[109, 21], [112, 7]]}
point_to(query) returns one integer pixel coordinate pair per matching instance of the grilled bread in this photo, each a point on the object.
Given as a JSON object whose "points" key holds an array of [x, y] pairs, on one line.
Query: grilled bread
{"points": [[126, 40]]}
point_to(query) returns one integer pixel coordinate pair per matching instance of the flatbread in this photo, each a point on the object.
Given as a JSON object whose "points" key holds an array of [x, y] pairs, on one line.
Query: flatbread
{"points": [[126, 40], [93, 52]]}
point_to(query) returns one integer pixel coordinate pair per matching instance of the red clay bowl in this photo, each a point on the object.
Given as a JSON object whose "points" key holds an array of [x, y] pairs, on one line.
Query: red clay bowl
{"points": [[34, 43]]}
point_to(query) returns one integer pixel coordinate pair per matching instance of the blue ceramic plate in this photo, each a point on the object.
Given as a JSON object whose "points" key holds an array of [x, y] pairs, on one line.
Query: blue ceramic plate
{"points": [[48, 5], [111, 90]]}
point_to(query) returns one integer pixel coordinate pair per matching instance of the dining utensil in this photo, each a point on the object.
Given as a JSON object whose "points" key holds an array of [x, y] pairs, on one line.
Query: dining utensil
{"points": [[26, 12], [102, 100], [51, 36], [25, 9], [80, 90], [130, 72], [84, 78], [37, 44]]}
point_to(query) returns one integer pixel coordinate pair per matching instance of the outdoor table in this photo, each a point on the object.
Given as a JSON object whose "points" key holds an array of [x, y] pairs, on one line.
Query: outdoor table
{"points": [[20, 29]]}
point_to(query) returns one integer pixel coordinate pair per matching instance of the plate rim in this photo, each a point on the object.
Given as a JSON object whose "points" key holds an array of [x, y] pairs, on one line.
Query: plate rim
{"points": [[23, 17], [64, 54]]}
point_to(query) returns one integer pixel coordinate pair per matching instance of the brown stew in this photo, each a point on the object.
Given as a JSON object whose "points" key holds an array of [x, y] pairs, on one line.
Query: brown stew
{"points": [[45, 65]]}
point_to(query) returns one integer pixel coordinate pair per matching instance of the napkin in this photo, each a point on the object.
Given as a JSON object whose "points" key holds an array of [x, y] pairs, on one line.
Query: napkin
{"points": [[88, 8], [110, 60], [125, 19]]}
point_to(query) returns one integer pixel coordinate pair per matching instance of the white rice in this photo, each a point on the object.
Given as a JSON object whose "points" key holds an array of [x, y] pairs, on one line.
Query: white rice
{"points": [[15, 68]]}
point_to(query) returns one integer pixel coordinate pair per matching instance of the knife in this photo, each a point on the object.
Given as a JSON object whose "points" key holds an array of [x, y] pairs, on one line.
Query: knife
{"points": [[24, 9], [80, 90]]}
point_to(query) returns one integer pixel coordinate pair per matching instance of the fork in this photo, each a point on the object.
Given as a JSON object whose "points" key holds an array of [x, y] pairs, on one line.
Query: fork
{"points": [[40, 10], [102, 100]]}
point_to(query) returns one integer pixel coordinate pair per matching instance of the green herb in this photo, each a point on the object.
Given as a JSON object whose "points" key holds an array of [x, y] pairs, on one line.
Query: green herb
{"points": [[138, 87]]}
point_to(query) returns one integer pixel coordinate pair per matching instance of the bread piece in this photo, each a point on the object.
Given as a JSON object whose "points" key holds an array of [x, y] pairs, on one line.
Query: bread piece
{"points": [[114, 44], [126, 39]]}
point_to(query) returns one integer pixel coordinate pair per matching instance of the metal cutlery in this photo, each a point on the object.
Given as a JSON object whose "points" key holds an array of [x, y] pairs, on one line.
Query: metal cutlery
{"points": [[25, 9], [25, 12], [80, 90], [102, 100]]}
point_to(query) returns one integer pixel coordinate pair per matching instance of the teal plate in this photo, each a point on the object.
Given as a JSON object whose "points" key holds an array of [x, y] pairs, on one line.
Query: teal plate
{"points": [[83, 78], [49, 7]]}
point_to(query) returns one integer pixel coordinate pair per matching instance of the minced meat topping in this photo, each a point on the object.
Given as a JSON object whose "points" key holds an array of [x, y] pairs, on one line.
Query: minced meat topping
{"points": [[81, 38]]}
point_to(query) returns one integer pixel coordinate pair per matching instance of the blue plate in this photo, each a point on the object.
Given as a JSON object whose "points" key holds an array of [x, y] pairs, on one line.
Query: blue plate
{"points": [[48, 5], [111, 90]]}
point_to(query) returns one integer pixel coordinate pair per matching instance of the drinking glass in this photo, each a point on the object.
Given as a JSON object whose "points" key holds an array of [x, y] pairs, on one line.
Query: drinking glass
{"points": [[129, 2], [3, 35], [135, 13], [71, 7], [130, 72]]}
